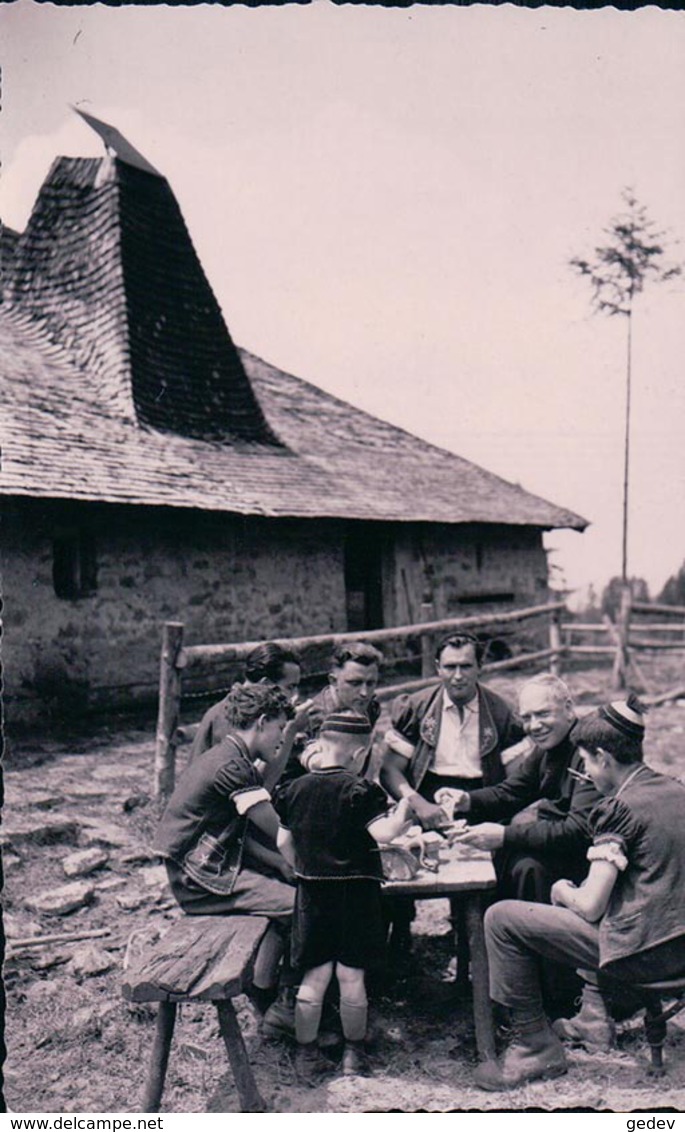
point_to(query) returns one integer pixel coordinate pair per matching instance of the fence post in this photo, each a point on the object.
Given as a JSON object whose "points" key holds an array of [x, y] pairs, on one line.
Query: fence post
{"points": [[169, 710], [555, 642], [427, 657], [622, 658]]}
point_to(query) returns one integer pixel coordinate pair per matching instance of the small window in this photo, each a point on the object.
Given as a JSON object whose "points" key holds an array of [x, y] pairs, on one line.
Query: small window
{"points": [[74, 565]]}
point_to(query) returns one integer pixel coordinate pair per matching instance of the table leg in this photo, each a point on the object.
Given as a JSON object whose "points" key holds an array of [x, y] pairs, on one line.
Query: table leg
{"points": [[461, 942], [482, 1009]]}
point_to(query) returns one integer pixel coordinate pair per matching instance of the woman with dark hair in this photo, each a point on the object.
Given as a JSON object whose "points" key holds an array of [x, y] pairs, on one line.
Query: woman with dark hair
{"points": [[267, 663], [625, 922]]}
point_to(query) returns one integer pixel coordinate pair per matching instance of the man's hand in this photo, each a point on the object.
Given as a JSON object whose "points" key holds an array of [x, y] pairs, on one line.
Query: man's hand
{"points": [[453, 801], [560, 892], [429, 815], [487, 835], [308, 717]]}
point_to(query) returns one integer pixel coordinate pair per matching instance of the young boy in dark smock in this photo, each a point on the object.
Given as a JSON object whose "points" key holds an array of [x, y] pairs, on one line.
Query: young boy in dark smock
{"points": [[331, 822]]}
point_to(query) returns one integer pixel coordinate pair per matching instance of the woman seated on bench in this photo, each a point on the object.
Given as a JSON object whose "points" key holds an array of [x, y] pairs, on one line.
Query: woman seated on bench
{"points": [[626, 921]]}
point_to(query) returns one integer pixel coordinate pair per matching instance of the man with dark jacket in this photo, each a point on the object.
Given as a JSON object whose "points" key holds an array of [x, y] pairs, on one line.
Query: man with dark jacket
{"points": [[537, 820], [452, 736]]}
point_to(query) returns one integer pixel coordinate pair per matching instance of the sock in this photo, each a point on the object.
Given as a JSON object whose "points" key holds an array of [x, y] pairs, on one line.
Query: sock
{"points": [[353, 1016], [307, 1016]]}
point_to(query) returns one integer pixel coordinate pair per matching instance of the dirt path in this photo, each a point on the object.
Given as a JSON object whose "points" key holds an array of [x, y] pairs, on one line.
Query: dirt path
{"points": [[74, 1045]]}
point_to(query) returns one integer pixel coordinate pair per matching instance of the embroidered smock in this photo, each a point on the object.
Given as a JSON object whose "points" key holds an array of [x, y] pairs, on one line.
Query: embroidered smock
{"points": [[215, 792], [641, 830], [327, 812]]}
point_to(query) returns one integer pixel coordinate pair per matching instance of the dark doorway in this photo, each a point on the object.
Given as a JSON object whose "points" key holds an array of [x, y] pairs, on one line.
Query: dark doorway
{"points": [[363, 577]]}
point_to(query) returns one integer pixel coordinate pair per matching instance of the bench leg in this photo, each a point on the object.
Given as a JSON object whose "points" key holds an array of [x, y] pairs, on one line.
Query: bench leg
{"points": [[166, 1019], [248, 1093], [482, 1008]]}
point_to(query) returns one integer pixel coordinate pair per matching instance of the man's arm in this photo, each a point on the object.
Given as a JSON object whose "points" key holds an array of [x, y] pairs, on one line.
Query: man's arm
{"points": [[388, 826], [393, 779], [286, 846], [592, 898], [202, 740], [501, 802], [559, 835]]}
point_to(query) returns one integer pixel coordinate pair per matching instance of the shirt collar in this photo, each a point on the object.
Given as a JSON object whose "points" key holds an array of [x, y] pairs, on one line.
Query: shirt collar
{"points": [[447, 704]]}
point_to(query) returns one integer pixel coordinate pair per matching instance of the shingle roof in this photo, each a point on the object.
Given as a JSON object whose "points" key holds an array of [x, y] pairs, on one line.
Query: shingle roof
{"points": [[107, 264], [119, 382]]}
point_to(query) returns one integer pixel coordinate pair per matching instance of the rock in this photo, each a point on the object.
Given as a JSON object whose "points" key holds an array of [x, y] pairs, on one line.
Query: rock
{"points": [[104, 833], [130, 901], [106, 772], [84, 862], [16, 928], [91, 960], [112, 882], [85, 791], [39, 801], [46, 831], [154, 877], [139, 857], [46, 961], [133, 801], [10, 861], [140, 940], [43, 991], [61, 901]]}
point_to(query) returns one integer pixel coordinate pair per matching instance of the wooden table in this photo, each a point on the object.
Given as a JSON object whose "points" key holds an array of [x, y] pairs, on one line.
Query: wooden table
{"points": [[467, 874]]}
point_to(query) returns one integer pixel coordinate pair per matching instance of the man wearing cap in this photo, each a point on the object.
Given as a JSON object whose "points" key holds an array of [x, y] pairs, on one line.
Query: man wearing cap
{"points": [[452, 736], [625, 924]]}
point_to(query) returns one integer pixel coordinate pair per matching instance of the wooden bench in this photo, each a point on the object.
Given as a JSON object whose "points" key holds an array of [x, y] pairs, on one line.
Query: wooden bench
{"points": [[200, 959]]}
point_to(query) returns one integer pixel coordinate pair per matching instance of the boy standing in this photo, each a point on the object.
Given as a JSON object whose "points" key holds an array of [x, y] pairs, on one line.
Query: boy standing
{"points": [[331, 822]]}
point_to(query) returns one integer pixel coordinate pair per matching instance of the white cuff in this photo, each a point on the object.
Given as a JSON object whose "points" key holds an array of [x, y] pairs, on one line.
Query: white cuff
{"points": [[244, 800], [399, 744]]}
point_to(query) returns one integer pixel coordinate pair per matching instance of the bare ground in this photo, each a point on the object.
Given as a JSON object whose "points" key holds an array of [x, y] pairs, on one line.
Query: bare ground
{"points": [[73, 1044]]}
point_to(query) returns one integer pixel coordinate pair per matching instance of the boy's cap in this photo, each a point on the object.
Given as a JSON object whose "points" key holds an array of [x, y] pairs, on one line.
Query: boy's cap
{"points": [[347, 723], [621, 714]]}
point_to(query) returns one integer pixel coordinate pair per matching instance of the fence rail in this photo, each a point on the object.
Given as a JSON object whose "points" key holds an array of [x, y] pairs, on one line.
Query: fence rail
{"points": [[179, 660]]}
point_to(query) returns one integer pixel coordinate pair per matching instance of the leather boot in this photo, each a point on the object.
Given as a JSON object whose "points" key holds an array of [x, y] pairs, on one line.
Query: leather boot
{"points": [[354, 1063], [310, 1066], [279, 1019], [535, 1054], [592, 1027]]}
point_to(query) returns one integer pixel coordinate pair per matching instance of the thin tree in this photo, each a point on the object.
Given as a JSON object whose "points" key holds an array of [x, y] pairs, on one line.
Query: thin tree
{"points": [[633, 255]]}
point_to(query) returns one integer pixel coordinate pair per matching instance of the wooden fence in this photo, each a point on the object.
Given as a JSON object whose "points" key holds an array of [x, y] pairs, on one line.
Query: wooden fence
{"points": [[179, 661]]}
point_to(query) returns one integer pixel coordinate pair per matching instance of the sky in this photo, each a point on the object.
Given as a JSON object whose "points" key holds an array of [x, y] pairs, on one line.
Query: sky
{"points": [[385, 202]]}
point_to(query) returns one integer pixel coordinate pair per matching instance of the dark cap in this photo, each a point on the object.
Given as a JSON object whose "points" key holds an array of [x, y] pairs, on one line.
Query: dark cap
{"points": [[346, 723], [625, 716]]}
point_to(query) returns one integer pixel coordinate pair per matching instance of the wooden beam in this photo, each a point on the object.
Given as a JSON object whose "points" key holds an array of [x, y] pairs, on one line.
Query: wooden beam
{"points": [[654, 607], [197, 654], [677, 693]]}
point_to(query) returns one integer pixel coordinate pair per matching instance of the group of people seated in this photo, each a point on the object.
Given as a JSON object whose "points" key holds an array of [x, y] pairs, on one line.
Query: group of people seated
{"points": [[277, 814]]}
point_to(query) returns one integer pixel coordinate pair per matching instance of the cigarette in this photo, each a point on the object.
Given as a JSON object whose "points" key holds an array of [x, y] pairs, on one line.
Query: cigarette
{"points": [[577, 774]]}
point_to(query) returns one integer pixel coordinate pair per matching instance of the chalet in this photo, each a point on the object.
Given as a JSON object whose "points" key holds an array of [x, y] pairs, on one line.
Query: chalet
{"points": [[152, 470]]}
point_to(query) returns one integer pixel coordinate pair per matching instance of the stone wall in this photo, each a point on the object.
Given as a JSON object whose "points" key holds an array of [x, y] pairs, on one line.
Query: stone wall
{"points": [[226, 578]]}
